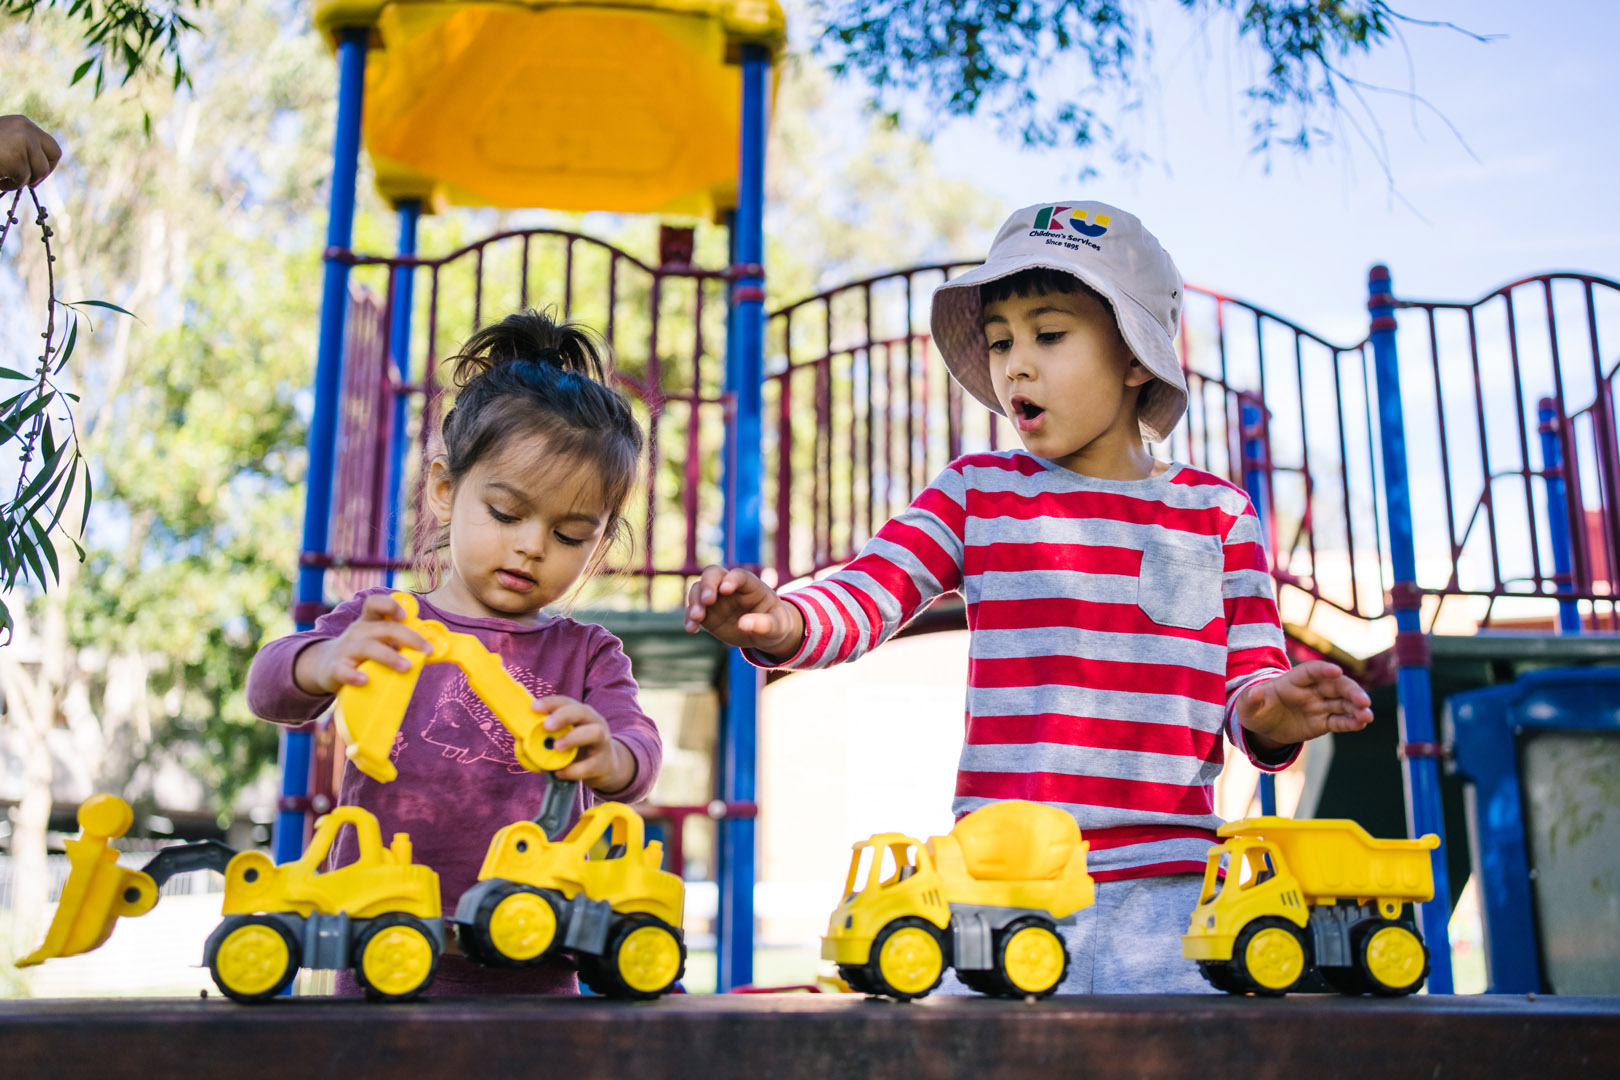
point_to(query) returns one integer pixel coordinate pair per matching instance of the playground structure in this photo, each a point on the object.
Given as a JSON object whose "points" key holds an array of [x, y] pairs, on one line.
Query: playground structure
{"points": [[1448, 467]]}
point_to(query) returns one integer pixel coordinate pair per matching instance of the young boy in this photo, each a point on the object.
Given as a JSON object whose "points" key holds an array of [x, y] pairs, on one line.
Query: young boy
{"points": [[1121, 609]]}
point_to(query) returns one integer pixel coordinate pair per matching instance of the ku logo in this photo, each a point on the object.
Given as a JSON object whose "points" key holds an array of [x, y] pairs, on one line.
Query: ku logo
{"points": [[1051, 219]]}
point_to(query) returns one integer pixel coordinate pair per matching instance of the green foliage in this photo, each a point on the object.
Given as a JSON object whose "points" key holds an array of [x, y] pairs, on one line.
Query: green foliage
{"points": [[191, 421], [140, 36], [972, 57], [49, 466]]}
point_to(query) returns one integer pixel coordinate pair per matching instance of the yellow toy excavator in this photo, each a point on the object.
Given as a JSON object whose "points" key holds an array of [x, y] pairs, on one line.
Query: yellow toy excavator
{"points": [[986, 898], [597, 893], [379, 915]]}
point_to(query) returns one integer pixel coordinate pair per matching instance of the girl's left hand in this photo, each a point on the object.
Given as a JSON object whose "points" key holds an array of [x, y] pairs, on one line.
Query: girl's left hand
{"points": [[1314, 698], [603, 762]]}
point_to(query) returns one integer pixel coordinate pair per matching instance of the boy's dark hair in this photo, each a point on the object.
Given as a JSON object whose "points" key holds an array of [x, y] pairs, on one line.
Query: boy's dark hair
{"points": [[1033, 282], [531, 375], [1042, 279]]}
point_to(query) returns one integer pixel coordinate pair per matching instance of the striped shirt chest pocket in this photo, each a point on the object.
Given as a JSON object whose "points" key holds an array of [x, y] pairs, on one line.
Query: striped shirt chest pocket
{"points": [[1180, 580]]}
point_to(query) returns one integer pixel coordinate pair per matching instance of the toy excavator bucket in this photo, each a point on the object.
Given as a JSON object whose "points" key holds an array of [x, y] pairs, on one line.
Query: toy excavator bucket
{"points": [[98, 890]]}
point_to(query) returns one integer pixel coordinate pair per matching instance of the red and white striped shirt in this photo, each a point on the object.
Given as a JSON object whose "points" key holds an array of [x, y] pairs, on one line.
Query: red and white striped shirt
{"points": [[1113, 622]]}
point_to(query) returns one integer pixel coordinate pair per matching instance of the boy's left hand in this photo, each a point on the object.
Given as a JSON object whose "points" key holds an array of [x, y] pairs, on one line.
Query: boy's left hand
{"points": [[1311, 700], [603, 762]]}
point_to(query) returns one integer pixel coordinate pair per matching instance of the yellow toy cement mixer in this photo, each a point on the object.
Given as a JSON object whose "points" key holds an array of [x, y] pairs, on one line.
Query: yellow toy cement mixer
{"points": [[1303, 895], [986, 899], [379, 915]]}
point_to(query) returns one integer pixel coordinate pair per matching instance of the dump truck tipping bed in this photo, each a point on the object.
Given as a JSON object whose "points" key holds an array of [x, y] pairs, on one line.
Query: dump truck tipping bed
{"points": [[1340, 859]]}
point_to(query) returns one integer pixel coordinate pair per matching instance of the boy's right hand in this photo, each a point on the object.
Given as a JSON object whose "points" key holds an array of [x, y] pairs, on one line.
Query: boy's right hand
{"points": [[740, 609], [378, 634]]}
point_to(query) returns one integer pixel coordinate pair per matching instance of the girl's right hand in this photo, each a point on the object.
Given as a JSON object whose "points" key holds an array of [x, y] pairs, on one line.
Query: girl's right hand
{"points": [[378, 634], [740, 609]]}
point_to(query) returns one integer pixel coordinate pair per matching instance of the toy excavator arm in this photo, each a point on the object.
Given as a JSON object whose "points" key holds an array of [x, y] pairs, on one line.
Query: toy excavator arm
{"points": [[369, 716], [184, 858]]}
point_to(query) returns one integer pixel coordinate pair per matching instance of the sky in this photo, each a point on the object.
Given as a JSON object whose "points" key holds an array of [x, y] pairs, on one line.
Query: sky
{"points": [[1528, 192]]}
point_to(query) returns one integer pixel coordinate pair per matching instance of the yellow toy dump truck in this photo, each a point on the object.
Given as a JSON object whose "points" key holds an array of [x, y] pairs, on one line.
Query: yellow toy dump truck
{"points": [[986, 899], [379, 915], [1304, 895], [597, 894]]}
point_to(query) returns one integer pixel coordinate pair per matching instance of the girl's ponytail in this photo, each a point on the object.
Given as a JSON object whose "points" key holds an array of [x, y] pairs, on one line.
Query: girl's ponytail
{"points": [[529, 375]]}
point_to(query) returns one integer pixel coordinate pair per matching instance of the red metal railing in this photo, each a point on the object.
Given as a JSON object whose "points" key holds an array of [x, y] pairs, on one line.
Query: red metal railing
{"points": [[860, 415], [1481, 511]]}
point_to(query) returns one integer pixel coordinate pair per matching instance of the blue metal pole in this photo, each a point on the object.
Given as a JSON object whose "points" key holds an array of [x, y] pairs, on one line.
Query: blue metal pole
{"points": [[295, 749], [399, 348], [1254, 482], [1552, 464], [746, 352], [1420, 765]]}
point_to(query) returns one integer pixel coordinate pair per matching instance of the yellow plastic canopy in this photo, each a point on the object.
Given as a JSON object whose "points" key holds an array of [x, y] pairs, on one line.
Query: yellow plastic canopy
{"points": [[623, 105]]}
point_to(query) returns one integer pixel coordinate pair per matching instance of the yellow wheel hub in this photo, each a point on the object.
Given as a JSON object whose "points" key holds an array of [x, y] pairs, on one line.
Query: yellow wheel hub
{"points": [[1395, 957], [1034, 959], [522, 926], [253, 960], [910, 960], [1275, 958], [397, 960], [649, 959]]}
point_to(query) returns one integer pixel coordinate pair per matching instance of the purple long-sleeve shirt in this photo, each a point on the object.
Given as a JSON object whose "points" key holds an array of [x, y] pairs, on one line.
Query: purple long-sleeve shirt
{"points": [[459, 779]]}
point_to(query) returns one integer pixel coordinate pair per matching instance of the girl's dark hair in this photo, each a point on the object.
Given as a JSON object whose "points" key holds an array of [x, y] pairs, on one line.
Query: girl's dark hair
{"points": [[531, 375]]}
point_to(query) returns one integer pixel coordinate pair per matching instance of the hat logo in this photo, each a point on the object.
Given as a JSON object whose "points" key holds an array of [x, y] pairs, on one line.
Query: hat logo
{"points": [[1050, 219]]}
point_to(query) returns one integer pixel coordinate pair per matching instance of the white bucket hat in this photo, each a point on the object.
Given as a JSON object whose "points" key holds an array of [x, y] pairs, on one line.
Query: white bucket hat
{"points": [[1108, 250]]}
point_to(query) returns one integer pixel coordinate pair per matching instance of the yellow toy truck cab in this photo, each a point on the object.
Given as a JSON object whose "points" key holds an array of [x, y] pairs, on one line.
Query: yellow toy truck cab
{"points": [[986, 899], [598, 894], [379, 915], [1299, 896]]}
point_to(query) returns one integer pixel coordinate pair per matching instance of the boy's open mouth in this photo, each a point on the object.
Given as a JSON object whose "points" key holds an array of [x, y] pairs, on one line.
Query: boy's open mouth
{"points": [[1025, 412]]}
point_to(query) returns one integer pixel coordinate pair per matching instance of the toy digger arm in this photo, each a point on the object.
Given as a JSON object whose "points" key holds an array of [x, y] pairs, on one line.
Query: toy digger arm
{"points": [[556, 807], [184, 858]]}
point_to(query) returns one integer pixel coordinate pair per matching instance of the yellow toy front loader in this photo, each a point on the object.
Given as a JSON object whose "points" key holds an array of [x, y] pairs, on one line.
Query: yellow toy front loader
{"points": [[379, 915], [986, 898]]}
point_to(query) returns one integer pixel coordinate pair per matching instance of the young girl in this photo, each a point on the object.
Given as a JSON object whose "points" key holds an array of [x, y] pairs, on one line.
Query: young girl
{"points": [[539, 456]]}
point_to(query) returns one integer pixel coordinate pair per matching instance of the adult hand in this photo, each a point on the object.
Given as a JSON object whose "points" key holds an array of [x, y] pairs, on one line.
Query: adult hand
{"points": [[27, 153]]}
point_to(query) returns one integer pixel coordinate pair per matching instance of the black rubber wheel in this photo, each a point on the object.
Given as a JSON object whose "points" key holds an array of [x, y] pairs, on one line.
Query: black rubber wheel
{"points": [[231, 982], [1363, 941], [873, 971], [1237, 968], [855, 976], [604, 974], [1216, 974], [477, 940], [996, 982], [373, 930]]}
